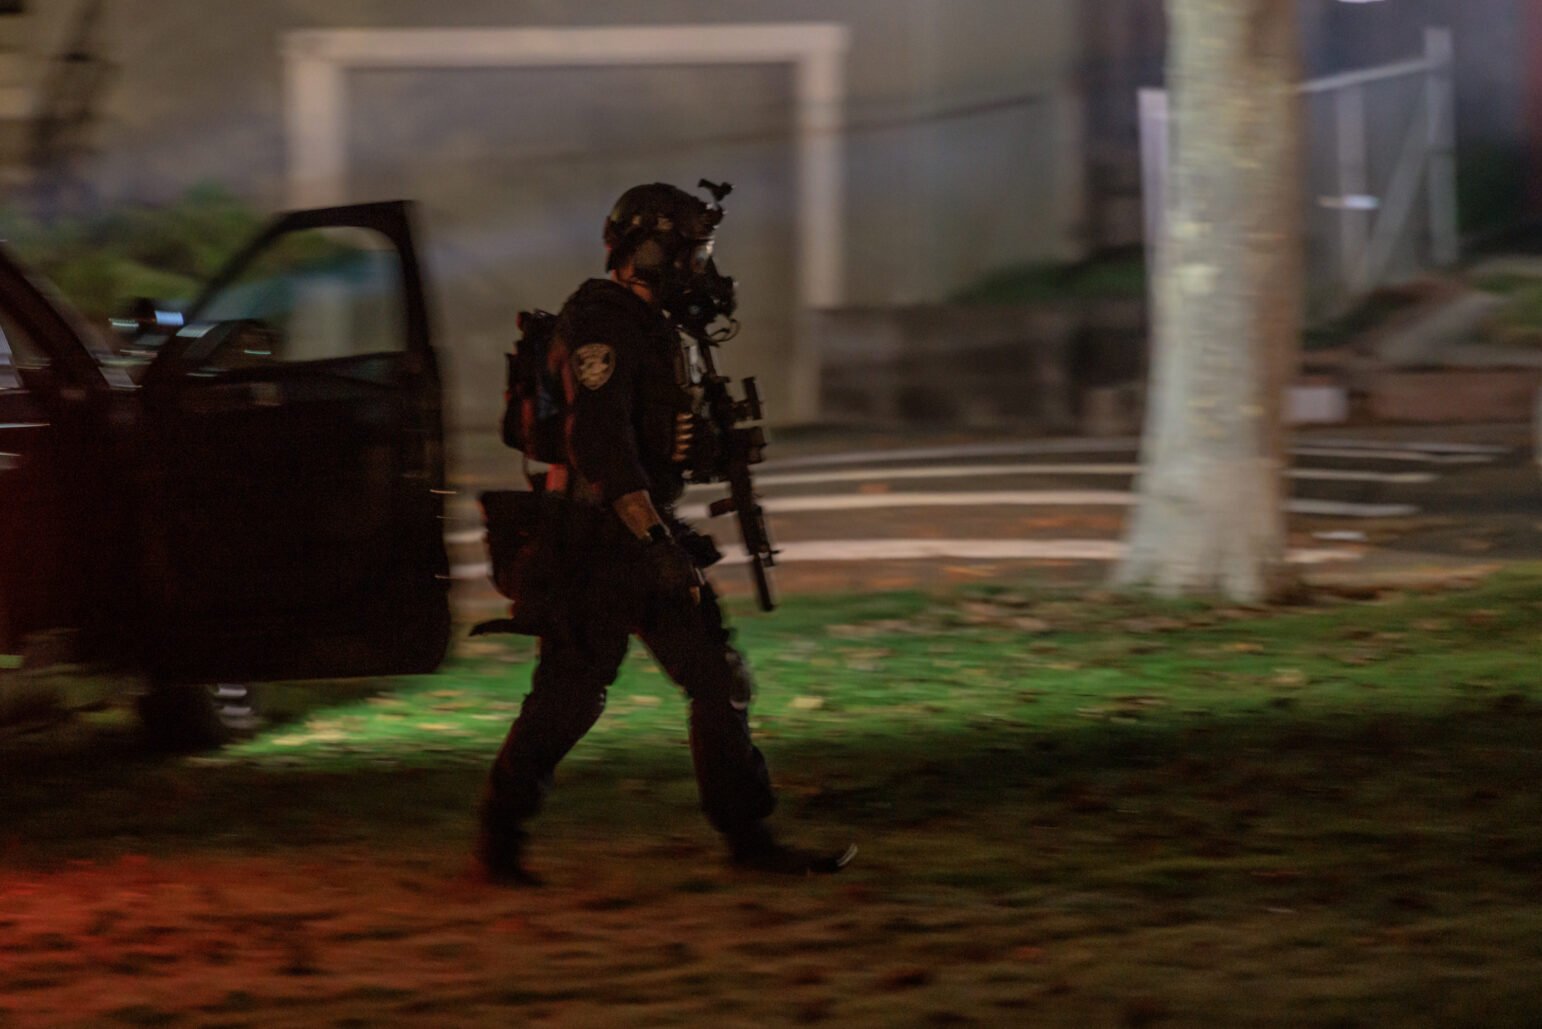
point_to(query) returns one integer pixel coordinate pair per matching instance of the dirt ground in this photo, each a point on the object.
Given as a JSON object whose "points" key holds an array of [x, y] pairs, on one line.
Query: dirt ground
{"points": [[624, 937], [643, 933]]}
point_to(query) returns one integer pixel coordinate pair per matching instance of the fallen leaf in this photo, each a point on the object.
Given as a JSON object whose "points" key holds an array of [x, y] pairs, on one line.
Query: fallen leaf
{"points": [[905, 978], [977, 611], [1156, 624], [1141, 700]]}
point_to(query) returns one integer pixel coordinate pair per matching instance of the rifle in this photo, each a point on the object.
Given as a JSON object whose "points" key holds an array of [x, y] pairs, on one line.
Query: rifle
{"points": [[742, 446], [709, 297]]}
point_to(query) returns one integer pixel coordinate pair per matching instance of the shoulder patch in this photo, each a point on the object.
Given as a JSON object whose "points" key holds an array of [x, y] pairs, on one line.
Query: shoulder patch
{"points": [[593, 363]]}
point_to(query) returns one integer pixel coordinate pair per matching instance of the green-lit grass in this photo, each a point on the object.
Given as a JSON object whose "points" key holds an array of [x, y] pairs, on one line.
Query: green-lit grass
{"points": [[905, 705], [857, 673]]}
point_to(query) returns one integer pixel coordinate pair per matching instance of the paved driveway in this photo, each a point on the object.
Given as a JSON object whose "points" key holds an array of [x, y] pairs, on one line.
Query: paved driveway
{"points": [[863, 511]]}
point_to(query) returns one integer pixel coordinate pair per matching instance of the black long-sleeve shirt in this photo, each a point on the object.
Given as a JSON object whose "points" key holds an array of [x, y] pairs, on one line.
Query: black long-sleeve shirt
{"points": [[623, 375]]}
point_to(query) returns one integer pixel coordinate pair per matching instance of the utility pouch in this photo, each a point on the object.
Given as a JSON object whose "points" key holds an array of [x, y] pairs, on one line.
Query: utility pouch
{"points": [[526, 555], [534, 402]]}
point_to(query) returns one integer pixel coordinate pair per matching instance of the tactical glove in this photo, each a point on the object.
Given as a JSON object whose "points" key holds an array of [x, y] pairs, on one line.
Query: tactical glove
{"points": [[671, 567]]}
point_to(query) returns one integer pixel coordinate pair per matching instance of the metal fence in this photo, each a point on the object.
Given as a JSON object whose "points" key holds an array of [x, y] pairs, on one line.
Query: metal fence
{"points": [[1379, 175]]}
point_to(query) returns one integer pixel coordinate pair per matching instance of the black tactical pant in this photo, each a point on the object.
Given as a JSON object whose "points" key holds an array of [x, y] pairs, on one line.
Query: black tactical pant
{"points": [[577, 664]]}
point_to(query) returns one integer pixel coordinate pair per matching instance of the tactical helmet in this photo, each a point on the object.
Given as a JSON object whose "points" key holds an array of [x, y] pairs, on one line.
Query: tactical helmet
{"points": [[667, 235], [656, 224]]}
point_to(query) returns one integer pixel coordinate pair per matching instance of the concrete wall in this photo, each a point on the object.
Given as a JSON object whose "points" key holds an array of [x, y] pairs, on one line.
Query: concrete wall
{"points": [[31, 35], [962, 148]]}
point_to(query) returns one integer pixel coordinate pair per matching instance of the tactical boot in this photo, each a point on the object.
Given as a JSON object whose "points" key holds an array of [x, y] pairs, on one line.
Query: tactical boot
{"points": [[757, 850], [500, 854]]}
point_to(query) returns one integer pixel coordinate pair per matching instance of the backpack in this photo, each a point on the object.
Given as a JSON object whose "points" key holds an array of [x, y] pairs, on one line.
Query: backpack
{"points": [[535, 401]]}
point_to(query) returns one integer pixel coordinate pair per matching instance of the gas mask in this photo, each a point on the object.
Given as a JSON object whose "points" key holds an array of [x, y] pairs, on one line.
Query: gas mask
{"points": [[668, 235], [704, 297]]}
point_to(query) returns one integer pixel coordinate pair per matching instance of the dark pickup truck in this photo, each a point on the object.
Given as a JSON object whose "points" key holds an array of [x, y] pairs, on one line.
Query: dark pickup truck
{"points": [[250, 493]]}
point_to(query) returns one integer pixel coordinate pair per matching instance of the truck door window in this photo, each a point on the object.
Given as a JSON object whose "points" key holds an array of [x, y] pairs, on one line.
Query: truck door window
{"points": [[17, 353], [314, 295]]}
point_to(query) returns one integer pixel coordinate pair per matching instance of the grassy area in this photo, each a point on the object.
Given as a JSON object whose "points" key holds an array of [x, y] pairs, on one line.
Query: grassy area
{"points": [[1071, 808], [100, 261], [1519, 322], [1111, 278]]}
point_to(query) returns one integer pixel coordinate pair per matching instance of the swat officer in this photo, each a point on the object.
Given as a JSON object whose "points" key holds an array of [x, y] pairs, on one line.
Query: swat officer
{"points": [[631, 431]]}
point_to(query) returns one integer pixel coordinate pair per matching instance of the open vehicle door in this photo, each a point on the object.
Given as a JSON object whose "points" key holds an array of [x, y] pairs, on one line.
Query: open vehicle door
{"points": [[51, 492], [292, 464]]}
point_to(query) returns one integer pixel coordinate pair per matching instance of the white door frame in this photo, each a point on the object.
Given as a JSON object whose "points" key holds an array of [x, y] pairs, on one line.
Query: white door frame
{"points": [[317, 62]]}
